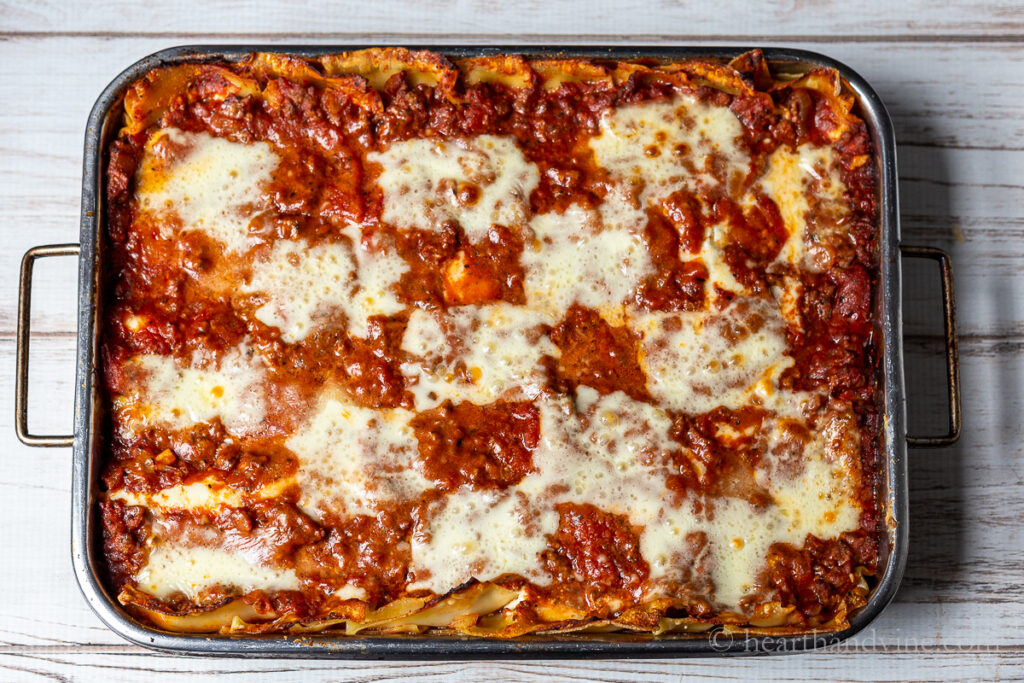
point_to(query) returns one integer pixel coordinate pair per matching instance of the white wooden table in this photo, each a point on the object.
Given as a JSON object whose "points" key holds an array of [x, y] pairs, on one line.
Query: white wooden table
{"points": [[953, 79]]}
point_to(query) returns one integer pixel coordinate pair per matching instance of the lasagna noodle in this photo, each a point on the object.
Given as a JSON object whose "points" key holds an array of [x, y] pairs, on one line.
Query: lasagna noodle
{"points": [[319, 421]]}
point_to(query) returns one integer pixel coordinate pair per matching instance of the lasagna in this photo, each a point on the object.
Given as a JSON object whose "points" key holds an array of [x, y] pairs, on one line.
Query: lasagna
{"points": [[394, 343]]}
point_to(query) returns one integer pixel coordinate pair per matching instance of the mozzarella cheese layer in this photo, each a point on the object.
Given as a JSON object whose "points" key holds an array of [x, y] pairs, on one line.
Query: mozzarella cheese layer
{"points": [[476, 182], [206, 183]]}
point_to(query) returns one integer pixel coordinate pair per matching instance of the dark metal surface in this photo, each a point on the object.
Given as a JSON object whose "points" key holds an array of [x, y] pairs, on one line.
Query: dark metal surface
{"points": [[87, 555], [952, 347], [24, 334]]}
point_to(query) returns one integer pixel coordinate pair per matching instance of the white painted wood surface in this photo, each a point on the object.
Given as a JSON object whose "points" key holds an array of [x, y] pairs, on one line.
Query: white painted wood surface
{"points": [[952, 76]]}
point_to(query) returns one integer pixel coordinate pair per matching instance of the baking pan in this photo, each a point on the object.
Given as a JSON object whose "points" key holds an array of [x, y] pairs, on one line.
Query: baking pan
{"points": [[87, 456]]}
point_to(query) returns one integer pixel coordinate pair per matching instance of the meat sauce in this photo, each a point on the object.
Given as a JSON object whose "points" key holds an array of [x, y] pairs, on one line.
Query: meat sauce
{"points": [[323, 182]]}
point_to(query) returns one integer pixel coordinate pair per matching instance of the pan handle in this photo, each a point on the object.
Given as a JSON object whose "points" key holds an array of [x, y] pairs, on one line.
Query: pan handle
{"points": [[952, 348], [24, 321]]}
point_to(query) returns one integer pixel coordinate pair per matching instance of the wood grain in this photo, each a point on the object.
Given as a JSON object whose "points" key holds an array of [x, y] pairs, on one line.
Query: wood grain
{"points": [[633, 21], [950, 76], [133, 666]]}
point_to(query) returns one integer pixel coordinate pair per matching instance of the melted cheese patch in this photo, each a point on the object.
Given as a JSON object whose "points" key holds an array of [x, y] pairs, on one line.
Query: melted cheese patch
{"points": [[668, 544], [488, 352], [216, 187], [350, 592], [352, 459], [712, 255], [730, 538], [172, 568], [579, 257], [378, 271], [815, 501], [477, 182], [607, 451], [672, 144], [788, 180], [481, 534], [696, 362], [177, 396], [808, 485], [302, 285], [424, 335], [208, 493]]}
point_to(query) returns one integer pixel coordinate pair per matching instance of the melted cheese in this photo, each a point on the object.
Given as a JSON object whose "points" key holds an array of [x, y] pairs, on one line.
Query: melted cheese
{"points": [[208, 494], [489, 352], [425, 183], [579, 257], [808, 486], [172, 568], [814, 501], [608, 451], [730, 536], [481, 534], [712, 255], [666, 543], [350, 592], [424, 335], [671, 144], [379, 270], [177, 396], [207, 183], [352, 459], [696, 362], [788, 180], [301, 285]]}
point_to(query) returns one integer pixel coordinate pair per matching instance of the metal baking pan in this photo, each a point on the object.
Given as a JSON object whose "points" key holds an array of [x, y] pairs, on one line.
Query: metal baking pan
{"points": [[87, 447]]}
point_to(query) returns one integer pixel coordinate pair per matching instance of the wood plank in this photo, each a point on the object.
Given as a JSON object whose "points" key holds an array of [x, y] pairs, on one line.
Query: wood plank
{"points": [[906, 663], [477, 19]]}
